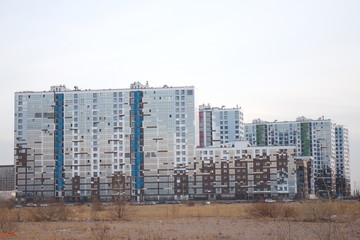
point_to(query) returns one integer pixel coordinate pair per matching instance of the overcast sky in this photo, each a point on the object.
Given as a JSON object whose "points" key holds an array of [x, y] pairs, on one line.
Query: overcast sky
{"points": [[275, 59]]}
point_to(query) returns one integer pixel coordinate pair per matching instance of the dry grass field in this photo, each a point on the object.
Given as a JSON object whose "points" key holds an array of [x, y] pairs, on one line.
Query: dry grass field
{"points": [[311, 220]]}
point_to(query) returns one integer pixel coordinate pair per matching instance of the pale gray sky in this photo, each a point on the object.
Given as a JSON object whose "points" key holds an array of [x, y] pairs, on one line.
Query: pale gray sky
{"points": [[276, 59]]}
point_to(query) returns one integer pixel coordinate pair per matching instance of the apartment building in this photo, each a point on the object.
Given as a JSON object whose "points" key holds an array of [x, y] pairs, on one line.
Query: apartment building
{"points": [[312, 138], [220, 125], [79, 145], [342, 161], [83, 144], [239, 171]]}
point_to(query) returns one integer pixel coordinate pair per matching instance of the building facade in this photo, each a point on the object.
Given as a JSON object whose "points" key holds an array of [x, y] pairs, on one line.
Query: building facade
{"points": [[312, 138], [79, 145], [7, 176], [220, 125], [84, 144], [239, 171], [342, 161]]}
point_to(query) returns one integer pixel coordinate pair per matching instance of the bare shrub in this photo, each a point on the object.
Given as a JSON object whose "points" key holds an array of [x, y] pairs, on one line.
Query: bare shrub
{"points": [[54, 212], [6, 204], [121, 207], [17, 214], [190, 203], [288, 211], [288, 230], [174, 210], [263, 210], [8, 223], [318, 211], [101, 231], [218, 236], [96, 206]]}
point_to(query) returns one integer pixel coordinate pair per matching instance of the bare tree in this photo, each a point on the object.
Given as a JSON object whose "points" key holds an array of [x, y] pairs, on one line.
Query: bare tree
{"points": [[121, 206]]}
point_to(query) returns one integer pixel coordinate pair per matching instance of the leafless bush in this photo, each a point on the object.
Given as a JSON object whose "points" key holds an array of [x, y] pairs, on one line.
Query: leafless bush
{"points": [[288, 211], [121, 207], [190, 203], [96, 206], [259, 210], [8, 223], [173, 211], [17, 214], [6, 204], [101, 231], [318, 211], [53, 212]]}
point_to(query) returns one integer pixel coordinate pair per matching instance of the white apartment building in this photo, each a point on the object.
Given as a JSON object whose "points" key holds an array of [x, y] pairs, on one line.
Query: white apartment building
{"points": [[220, 125], [313, 138], [82, 144], [342, 160]]}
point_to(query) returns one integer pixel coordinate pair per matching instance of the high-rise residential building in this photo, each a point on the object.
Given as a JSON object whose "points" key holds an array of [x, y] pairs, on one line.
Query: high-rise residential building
{"points": [[220, 125], [83, 144], [342, 161], [7, 176], [79, 145], [312, 138]]}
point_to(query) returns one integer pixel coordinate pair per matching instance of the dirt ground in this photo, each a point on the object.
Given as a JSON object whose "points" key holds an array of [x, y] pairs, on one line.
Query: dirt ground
{"points": [[188, 228]]}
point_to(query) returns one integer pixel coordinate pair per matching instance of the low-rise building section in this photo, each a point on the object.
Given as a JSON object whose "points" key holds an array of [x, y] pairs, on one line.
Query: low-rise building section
{"points": [[239, 171], [7, 176]]}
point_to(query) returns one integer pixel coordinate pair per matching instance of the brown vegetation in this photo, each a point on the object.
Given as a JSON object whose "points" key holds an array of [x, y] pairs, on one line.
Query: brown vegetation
{"points": [[318, 220], [121, 207], [53, 212], [8, 223]]}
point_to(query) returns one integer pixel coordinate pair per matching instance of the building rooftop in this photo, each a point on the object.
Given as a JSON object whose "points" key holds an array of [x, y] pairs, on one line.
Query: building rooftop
{"points": [[135, 85]]}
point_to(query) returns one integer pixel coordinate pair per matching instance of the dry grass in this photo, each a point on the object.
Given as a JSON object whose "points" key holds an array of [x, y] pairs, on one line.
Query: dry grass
{"points": [[188, 228], [101, 231], [8, 222], [264, 210], [312, 211], [55, 212], [273, 210], [315, 220], [328, 211], [180, 211], [6, 204]]}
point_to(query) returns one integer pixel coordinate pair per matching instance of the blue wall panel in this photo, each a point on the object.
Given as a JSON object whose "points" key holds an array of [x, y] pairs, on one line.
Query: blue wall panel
{"points": [[59, 139], [137, 132]]}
